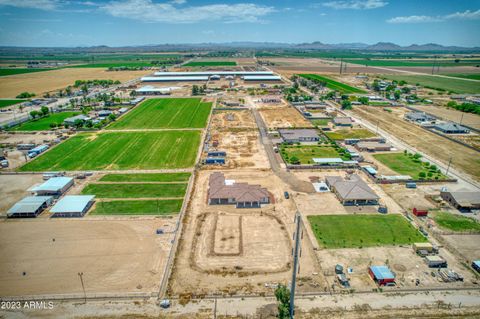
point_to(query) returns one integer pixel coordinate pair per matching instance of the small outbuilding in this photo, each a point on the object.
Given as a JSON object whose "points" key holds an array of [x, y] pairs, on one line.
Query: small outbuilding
{"points": [[54, 186], [436, 262], [30, 206], [343, 121], [382, 275], [72, 206]]}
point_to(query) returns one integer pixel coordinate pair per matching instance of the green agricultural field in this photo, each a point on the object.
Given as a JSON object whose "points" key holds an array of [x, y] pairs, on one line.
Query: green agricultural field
{"points": [[211, 63], [136, 190], [15, 71], [320, 122], [7, 103], [350, 133], [408, 165], [43, 124], [456, 222], [465, 76], [115, 150], [305, 153], [166, 113], [354, 231], [413, 63], [114, 65], [151, 177], [138, 207], [439, 83], [332, 84]]}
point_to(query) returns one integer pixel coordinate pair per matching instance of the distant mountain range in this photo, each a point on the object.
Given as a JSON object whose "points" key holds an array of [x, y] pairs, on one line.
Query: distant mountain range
{"points": [[378, 47]]}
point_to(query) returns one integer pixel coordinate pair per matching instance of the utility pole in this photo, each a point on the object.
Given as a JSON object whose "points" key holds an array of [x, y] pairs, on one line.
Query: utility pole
{"points": [[434, 62], [341, 65], [295, 265], [80, 274], [215, 309], [448, 167], [461, 119]]}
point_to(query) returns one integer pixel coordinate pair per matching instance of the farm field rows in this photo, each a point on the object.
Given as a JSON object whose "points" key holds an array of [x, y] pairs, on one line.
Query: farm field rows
{"points": [[15, 71], [7, 103], [43, 124], [166, 113], [138, 207], [152, 177], [349, 133], [332, 84], [465, 76], [355, 231], [136, 190], [412, 62], [435, 82], [126, 150], [211, 63]]}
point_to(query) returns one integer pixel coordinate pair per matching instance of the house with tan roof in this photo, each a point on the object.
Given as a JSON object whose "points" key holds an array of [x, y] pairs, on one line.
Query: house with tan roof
{"points": [[352, 190], [227, 192]]}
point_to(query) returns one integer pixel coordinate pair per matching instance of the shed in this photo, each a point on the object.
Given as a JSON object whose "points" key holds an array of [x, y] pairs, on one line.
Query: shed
{"points": [[423, 246], [381, 275], [54, 186], [72, 206], [217, 154], [419, 212], [215, 160], [436, 262], [30, 206]]}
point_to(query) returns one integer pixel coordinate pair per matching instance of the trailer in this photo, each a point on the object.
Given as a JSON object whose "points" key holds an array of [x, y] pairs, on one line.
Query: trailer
{"points": [[419, 212], [215, 160]]}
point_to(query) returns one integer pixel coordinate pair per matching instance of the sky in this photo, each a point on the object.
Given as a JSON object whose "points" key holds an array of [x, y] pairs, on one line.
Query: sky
{"points": [[70, 23]]}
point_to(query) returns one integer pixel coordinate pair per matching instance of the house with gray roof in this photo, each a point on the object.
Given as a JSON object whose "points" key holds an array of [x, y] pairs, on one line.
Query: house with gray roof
{"points": [[352, 190], [299, 135], [227, 192], [451, 128], [419, 117], [463, 200], [343, 121]]}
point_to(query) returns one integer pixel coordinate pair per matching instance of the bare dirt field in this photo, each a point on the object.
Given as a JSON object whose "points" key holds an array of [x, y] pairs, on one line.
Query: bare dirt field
{"points": [[409, 198], [467, 244], [469, 119], [115, 256], [41, 82], [465, 159], [14, 187], [237, 134], [34, 138], [229, 250], [283, 117]]}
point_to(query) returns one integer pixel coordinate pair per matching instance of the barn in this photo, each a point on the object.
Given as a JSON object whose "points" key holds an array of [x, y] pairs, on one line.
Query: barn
{"points": [[72, 206], [55, 186], [382, 275], [30, 206]]}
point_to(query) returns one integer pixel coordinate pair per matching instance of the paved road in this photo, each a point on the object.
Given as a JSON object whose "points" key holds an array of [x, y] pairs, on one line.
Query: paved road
{"points": [[295, 183]]}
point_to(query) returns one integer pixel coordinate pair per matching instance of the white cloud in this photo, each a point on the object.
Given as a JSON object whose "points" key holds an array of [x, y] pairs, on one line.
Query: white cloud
{"points": [[32, 4], [178, 1], [148, 11], [466, 15], [355, 4]]}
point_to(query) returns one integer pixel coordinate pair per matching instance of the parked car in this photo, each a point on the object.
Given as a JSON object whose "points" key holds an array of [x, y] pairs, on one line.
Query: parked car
{"points": [[287, 196]]}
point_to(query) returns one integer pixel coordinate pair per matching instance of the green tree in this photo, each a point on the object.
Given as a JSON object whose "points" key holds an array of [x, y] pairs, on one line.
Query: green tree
{"points": [[44, 110], [346, 105], [294, 160], [78, 123], [112, 117], [363, 100], [397, 95], [33, 114], [282, 294]]}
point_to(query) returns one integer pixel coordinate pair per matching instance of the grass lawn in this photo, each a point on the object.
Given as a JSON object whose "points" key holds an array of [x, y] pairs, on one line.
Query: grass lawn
{"points": [[125, 190], [166, 113], [378, 103], [350, 133], [138, 207], [152, 177], [14, 71], [434, 82], [321, 122], [334, 85], [353, 231], [7, 103], [406, 165], [211, 63], [43, 124], [456, 222], [305, 153], [126, 150], [465, 76]]}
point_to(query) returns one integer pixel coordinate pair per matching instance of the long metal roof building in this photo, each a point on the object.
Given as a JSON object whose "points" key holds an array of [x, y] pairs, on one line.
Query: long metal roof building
{"points": [[209, 73], [30, 206], [262, 78], [72, 206], [173, 78], [53, 186]]}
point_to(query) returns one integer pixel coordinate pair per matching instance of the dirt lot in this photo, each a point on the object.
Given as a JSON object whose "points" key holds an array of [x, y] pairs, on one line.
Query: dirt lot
{"points": [[114, 255], [469, 119], [465, 159], [466, 244], [409, 198], [14, 187], [41, 82], [242, 261], [283, 117], [237, 134]]}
